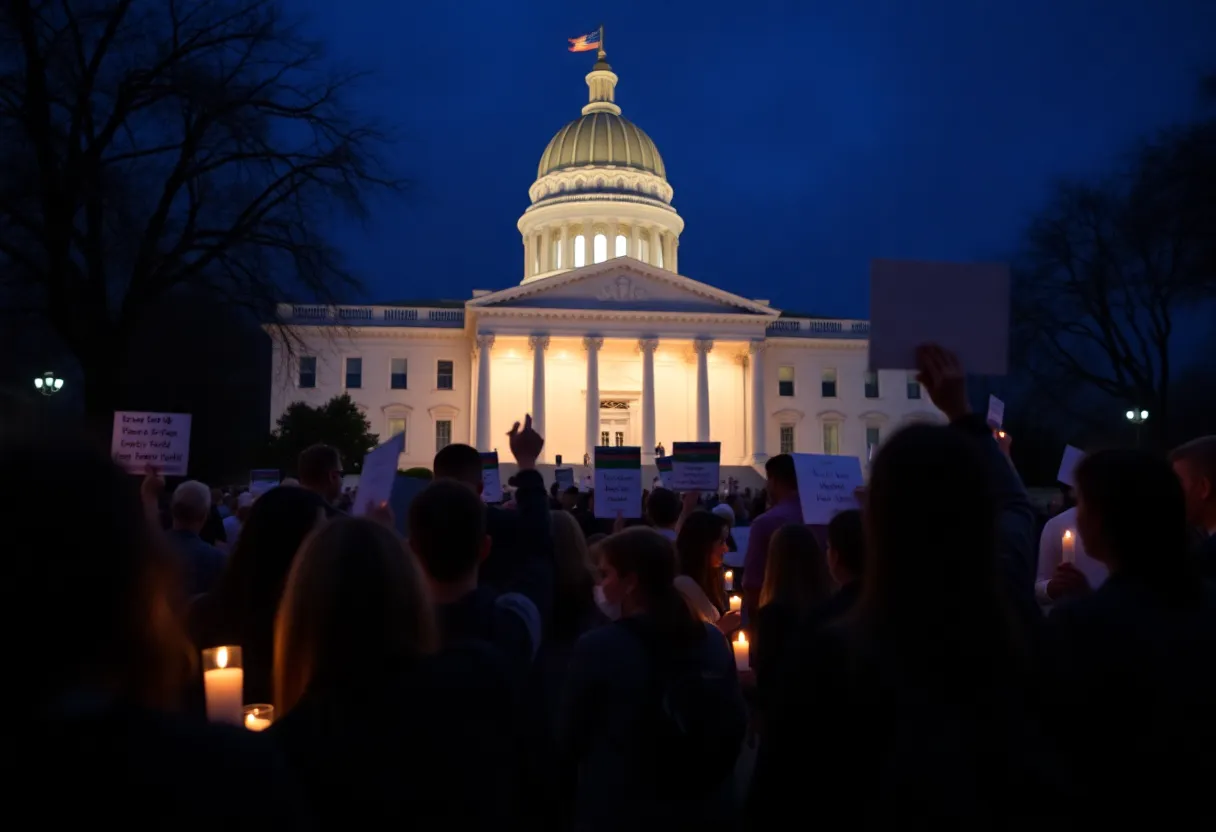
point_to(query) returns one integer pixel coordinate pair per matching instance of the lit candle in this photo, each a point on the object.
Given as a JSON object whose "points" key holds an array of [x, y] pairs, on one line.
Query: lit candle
{"points": [[729, 577], [223, 681], [1070, 547], [736, 603], [255, 723], [742, 652]]}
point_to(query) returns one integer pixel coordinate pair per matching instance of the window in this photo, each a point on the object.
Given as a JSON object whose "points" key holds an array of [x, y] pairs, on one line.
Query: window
{"points": [[828, 384], [873, 436], [443, 377], [871, 384], [443, 434], [580, 251], [622, 245], [601, 248], [398, 375], [396, 426], [603, 439], [913, 386], [787, 439], [620, 438], [785, 381], [308, 371], [831, 437], [354, 373]]}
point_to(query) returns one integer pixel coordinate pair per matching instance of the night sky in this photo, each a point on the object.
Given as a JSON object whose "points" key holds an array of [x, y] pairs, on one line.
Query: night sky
{"points": [[802, 138]]}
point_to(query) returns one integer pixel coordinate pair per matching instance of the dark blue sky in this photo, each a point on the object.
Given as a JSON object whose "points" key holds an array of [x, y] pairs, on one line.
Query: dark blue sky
{"points": [[802, 138]]}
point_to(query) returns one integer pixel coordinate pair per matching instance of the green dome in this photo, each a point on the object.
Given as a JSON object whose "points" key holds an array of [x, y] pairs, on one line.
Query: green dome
{"points": [[600, 139]]}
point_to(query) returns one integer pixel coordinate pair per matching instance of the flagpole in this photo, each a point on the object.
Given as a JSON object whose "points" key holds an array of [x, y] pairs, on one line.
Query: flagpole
{"points": [[602, 54]]}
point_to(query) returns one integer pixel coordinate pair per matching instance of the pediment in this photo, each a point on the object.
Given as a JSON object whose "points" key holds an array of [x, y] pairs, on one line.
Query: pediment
{"points": [[622, 284]]}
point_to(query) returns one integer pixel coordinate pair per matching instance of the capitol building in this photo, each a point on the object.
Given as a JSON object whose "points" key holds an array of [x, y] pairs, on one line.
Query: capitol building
{"points": [[603, 340]]}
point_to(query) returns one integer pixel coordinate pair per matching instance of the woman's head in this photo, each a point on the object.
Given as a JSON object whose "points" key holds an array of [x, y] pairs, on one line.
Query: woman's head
{"points": [[637, 566], [355, 602], [95, 580], [795, 572], [701, 545], [574, 575], [1131, 514]]}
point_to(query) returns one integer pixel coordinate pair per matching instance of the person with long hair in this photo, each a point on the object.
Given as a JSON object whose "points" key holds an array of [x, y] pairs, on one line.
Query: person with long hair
{"points": [[922, 700], [652, 718], [700, 547], [1134, 680], [101, 657], [380, 728]]}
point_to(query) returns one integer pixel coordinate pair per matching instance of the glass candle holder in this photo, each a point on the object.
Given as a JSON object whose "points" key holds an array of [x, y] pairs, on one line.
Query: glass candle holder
{"points": [[259, 717], [224, 682], [736, 603]]}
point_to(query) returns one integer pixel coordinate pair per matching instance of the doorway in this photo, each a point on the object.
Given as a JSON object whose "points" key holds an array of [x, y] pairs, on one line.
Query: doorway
{"points": [[615, 427]]}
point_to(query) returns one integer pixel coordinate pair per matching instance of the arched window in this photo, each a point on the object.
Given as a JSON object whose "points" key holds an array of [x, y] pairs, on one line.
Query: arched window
{"points": [[580, 251], [601, 248], [622, 246]]}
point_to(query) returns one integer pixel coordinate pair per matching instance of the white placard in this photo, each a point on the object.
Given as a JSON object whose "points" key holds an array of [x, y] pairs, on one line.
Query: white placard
{"points": [[1068, 465], [161, 440], [377, 475], [964, 307], [826, 485], [618, 483], [741, 534], [491, 478], [996, 413], [564, 478], [695, 466], [664, 464]]}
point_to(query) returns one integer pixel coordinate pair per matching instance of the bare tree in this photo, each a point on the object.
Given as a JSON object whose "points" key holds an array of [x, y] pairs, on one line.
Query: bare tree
{"points": [[1109, 266], [150, 145]]}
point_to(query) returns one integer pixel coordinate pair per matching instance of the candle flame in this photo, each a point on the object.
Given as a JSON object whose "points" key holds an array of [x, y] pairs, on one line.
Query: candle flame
{"points": [[1068, 534], [730, 574], [741, 638], [221, 657]]}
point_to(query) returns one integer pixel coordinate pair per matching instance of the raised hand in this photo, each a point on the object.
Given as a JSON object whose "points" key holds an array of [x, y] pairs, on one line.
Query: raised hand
{"points": [[942, 376], [525, 444]]}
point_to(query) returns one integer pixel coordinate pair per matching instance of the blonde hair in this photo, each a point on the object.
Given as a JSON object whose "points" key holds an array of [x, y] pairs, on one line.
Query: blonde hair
{"points": [[355, 600]]}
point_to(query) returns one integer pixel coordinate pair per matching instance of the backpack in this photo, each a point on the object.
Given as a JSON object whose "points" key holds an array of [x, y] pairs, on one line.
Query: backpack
{"points": [[691, 725]]}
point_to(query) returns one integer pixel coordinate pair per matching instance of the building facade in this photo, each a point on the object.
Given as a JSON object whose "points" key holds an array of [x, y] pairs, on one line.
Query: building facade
{"points": [[603, 341]]}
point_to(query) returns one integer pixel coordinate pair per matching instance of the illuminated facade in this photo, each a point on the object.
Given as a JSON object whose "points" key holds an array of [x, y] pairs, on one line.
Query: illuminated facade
{"points": [[603, 341]]}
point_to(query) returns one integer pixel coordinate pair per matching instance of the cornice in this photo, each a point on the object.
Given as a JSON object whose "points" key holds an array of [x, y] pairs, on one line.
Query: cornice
{"points": [[839, 344], [623, 315], [388, 332]]}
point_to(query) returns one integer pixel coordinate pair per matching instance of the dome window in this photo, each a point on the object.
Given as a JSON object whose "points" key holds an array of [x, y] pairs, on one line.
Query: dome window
{"points": [[601, 248], [622, 246]]}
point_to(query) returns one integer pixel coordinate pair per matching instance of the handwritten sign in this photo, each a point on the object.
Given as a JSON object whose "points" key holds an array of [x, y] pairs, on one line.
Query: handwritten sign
{"points": [[262, 480], [1068, 464], [996, 413], [564, 478], [664, 463], [826, 485], [491, 479], [696, 466], [161, 440], [377, 475], [618, 482]]}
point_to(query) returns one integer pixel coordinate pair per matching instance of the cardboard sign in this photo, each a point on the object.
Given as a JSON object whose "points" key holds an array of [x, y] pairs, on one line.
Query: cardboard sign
{"points": [[964, 307], [996, 413], [262, 480], [491, 479], [618, 483], [161, 440], [1068, 464], [826, 485], [696, 466], [378, 472]]}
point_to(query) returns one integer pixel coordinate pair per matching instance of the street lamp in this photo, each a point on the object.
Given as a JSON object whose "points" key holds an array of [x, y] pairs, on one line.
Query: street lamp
{"points": [[1137, 418], [48, 384]]}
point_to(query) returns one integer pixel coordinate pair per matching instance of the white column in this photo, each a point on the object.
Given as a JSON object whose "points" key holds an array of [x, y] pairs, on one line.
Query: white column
{"points": [[592, 344], [667, 251], [647, 347], [759, 410], [588, 242], [485, 343], [703, 346], [675, 254], [655, 242], [539, 344], [635, 247], [565, 257], [528, 254]]}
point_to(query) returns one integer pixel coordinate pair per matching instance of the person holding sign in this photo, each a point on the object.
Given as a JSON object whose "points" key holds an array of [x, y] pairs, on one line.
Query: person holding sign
{"points": [[786, 508]]}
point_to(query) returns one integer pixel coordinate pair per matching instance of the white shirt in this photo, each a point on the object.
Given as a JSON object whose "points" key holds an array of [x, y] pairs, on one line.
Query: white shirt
{"points": [[696, 598], [1051, 554]]}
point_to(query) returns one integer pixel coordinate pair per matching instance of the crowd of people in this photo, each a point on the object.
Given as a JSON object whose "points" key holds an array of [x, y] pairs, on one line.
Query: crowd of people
{"points": [[931, 657]]}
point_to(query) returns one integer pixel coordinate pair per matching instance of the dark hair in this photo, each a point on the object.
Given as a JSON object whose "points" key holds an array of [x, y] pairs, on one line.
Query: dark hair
{"points": [[646, 554], [846, 536], [937, 603], [96, 584], [701, 530], [315, 464], [1137, 507], [780, 468], [795, 571], [663, 507], [458, 462], [447, 529]]}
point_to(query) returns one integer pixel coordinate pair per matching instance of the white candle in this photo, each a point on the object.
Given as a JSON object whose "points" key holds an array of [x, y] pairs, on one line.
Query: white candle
{"points": [[736, 603], [741, 647], [255, 723], [1070, 547], [729, 578], [224, 686]]}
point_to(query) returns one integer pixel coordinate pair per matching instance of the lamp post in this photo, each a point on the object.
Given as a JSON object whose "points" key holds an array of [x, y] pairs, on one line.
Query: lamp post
{"points": [[48, 384], [1137, 418]]}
